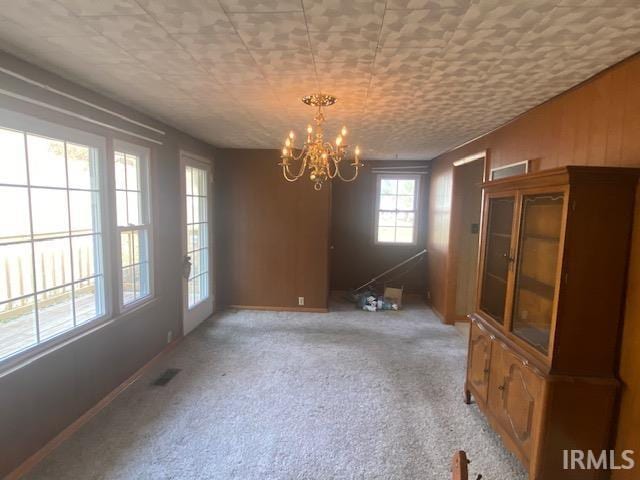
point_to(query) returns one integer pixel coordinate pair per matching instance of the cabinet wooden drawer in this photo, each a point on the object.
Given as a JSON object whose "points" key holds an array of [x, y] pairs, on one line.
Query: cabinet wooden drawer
{"points": [[479, 361], [515, 398]]}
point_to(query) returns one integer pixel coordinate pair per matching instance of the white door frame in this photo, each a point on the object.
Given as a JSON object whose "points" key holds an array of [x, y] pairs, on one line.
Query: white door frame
{"points": [[192, 318]]}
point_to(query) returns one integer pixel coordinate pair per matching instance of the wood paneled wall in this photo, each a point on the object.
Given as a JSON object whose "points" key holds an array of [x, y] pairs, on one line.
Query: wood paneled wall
{"points": [[355, 258], [595, 123], [272, 236]]}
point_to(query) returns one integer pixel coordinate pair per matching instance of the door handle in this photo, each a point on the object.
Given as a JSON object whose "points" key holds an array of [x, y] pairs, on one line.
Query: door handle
{"points": [[186, 267], [508, 257]]}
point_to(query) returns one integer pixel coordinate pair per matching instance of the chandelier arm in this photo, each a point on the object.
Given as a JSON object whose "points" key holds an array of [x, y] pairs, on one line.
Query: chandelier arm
{"points": [[287, 175], [336, 170], [292, 177], [303, 152], [355, 174]]}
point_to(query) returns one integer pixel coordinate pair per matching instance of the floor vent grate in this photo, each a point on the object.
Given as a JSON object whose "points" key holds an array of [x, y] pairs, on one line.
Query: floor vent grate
{"points": [[166, 377]]}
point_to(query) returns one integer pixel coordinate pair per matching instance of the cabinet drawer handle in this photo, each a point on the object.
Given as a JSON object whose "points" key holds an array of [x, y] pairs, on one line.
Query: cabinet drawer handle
{"points": [[501, 387], [492, 337]]}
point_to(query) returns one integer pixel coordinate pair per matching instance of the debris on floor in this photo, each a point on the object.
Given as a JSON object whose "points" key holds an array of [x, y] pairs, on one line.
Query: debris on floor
{"points": [[369, 301]]}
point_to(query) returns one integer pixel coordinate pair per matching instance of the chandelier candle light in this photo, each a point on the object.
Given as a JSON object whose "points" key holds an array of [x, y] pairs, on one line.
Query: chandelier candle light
{"points": [[322, 158]]}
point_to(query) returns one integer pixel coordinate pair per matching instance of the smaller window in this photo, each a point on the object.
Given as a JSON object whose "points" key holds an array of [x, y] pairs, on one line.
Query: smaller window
{"points": [[397, 209], [134, 222]]}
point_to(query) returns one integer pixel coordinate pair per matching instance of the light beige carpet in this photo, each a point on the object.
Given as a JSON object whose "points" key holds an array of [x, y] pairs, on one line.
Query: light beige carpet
{"points": [[263, 395]]}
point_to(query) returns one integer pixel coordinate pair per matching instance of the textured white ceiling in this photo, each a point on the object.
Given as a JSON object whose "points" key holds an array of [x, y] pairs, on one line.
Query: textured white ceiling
{"points": [[413, 77]]}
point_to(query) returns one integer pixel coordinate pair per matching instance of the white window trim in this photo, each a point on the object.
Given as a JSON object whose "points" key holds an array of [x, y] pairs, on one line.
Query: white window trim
{"points": [[145, 154], [32, 125], [416, 209], [198, 161], [113, 312]]}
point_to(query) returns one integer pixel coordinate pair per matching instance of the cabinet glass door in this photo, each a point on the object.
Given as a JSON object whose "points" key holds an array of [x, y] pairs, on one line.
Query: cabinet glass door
{"points": [[497, 257], [535, 282]]}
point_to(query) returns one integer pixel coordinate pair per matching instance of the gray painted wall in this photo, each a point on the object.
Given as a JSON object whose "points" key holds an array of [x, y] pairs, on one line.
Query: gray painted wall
{"points": [[41, 398]]}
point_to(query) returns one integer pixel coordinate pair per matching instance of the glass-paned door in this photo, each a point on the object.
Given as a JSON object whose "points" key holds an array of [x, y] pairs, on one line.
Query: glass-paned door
{"points": [[535, 281], [198, 297], [497, 256]]}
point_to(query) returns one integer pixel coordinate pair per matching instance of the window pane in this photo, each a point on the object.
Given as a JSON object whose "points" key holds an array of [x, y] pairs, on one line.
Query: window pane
{"points": [[121, 208], [387, 219], [17, 326], [14, 221], [53, 263], [133, 172], [141, 246], [188, 172], [16, 271], [36, 268], [405, 202], [199, 289], [191, 291], [82, 174], [135, 247], [13, 164], [134, 210], [126, 246], [196, 263], [197, 237], [405, 219], [404, 235], [46, 162], [121, 183], [128, 285], [203, 280], [84, 212], [199, 182], [386, 234], [143, 275], [387, 202], [388, 187], [135, 259], [50, 214], [88, 300], [138, 280], [55, 312], [86, 261], [406, 187], [199, 209], [189, 207]]}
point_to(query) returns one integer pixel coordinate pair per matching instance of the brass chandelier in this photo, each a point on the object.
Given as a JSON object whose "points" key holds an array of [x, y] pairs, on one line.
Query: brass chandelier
{"points": [[322, 158]]}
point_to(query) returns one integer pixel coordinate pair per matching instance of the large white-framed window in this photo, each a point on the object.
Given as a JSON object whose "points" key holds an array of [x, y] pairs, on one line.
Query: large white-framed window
{"points": [[133, 219], [52, 233], [396, 212]]}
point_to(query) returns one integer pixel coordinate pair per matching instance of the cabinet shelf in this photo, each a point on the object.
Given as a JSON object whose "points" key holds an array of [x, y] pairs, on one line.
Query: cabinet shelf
{"points": [[545, 238], [534, 336], [496, 277], [537, 287]]}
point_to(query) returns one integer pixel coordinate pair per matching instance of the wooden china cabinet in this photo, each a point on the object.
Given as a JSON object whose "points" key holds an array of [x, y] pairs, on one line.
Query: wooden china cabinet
{"points": [[544, 340]]}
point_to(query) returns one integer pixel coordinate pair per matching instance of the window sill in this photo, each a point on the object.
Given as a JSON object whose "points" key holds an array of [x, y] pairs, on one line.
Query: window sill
{"points": [[395, 244], [26, 357]]}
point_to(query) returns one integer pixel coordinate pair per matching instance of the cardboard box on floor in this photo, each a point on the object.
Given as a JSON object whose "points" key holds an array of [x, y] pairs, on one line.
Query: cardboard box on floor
{"points": [[393, 295]]}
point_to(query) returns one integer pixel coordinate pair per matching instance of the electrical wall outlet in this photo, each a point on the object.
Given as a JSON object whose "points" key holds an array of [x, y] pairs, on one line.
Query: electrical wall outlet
{"points": [[300, 301], [169, 336]]}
